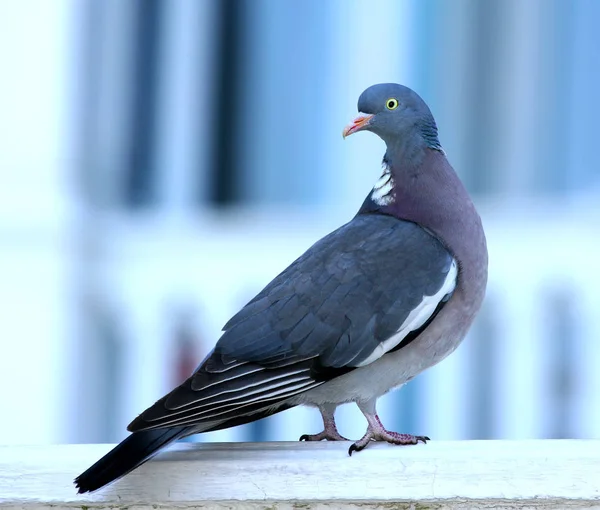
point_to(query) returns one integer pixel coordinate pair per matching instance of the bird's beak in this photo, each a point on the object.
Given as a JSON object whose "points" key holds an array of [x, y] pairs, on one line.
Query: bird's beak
{"points": [[358, 124]]}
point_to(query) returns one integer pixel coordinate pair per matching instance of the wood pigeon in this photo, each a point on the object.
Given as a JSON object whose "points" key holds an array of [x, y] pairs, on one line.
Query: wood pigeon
{"points": [[364, 310]]}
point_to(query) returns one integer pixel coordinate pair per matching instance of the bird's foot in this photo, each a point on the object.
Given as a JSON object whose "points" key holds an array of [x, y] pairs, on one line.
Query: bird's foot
{"points": [[377, 432], [329, 435], [330, 432]]}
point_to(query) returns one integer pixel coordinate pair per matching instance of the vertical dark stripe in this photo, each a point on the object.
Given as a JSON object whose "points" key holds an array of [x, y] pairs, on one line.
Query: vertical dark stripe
{"points": [[560, 315], [583, 73], [225, 115], [183, 339], [140, 182], [90, 36], [100, 392], [84, 425], [111, 355], [427, 41], [556, 86], [482, 373], [258, 431], [489, 19]]}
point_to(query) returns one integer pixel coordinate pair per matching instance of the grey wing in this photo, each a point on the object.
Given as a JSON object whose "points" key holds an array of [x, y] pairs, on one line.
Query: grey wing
{"points": [[353, 296]]}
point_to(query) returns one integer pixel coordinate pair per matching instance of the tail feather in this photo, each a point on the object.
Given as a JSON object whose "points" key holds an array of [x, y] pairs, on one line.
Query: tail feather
{"points": [[126, 456]]}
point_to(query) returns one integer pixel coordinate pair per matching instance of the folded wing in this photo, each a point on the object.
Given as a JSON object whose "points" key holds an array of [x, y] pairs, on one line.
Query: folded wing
{"points": [[365, 289]]}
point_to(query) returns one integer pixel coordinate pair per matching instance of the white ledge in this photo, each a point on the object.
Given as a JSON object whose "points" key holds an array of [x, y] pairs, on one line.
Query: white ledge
{"points": [[452, 475]]}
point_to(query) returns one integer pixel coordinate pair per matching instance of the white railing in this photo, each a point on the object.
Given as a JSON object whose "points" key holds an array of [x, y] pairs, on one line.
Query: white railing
{"points": [[449, 475]]}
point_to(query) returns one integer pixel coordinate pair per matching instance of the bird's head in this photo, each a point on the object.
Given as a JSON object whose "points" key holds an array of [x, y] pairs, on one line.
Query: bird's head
{"points": [[395, 113]]}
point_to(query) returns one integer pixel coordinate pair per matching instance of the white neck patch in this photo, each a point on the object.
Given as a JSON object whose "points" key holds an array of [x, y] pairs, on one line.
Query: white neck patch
{"points": [[383, 191]]}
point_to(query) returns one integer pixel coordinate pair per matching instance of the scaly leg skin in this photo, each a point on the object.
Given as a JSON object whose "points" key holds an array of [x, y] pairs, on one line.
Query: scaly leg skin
{"points": [[377, 432], [330, 431]]}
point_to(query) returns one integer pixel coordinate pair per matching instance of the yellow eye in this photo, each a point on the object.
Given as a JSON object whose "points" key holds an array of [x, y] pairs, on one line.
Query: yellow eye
{"points": [[391, 103]]}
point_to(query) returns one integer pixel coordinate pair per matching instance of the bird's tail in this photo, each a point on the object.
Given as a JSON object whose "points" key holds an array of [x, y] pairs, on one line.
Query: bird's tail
{"points": [[127, 455]]}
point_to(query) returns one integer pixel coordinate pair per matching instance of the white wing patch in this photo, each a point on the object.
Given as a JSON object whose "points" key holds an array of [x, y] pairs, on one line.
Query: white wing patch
{"points": [[416, 318]]}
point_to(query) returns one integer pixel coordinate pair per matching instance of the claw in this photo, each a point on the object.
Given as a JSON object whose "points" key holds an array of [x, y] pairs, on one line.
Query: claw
{"points": [[354, 448], [328, 434], [377, 432]]}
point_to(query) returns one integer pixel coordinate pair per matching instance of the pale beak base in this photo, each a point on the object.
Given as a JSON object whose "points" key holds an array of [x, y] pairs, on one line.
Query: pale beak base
{"points": [[361, 122]]}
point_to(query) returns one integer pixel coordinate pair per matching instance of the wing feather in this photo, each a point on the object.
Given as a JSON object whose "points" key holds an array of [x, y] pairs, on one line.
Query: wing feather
{"points": [[341, 305]]}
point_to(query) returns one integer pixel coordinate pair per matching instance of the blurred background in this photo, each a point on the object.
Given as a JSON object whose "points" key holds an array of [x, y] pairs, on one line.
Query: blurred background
{"points": [[162, 160]]}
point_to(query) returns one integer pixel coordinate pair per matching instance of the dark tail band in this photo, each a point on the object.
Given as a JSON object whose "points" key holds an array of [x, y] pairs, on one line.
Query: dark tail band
{"points": [[126, 456]]}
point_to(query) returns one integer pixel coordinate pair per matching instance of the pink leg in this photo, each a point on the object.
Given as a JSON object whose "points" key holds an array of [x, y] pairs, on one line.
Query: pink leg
{"points": [[330, 431], [377, 432]]}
